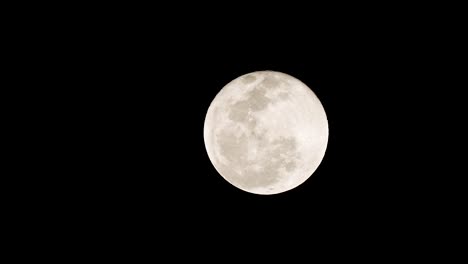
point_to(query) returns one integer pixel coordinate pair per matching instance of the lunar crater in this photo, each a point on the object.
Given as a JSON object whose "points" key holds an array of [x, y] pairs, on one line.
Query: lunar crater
{"points": [[249, 79]]}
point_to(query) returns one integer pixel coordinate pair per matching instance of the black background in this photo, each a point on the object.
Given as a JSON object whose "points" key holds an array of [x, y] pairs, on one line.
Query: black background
{"points": [[150, 151], [139, 85]]}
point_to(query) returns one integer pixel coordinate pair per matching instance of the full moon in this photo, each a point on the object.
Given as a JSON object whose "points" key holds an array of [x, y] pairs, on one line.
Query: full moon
{"points": [[266, 132]]}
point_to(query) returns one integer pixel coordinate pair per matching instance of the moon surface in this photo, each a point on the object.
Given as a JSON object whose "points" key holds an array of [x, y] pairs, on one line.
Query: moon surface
{"points": [[266, 132]]}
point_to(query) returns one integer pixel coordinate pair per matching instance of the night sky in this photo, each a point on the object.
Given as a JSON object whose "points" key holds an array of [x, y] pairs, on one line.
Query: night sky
{"points": [[141, 86]]}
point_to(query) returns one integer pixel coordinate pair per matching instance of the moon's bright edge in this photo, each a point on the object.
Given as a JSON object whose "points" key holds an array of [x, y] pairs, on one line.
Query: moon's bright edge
{"points": [[266, 132]]}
